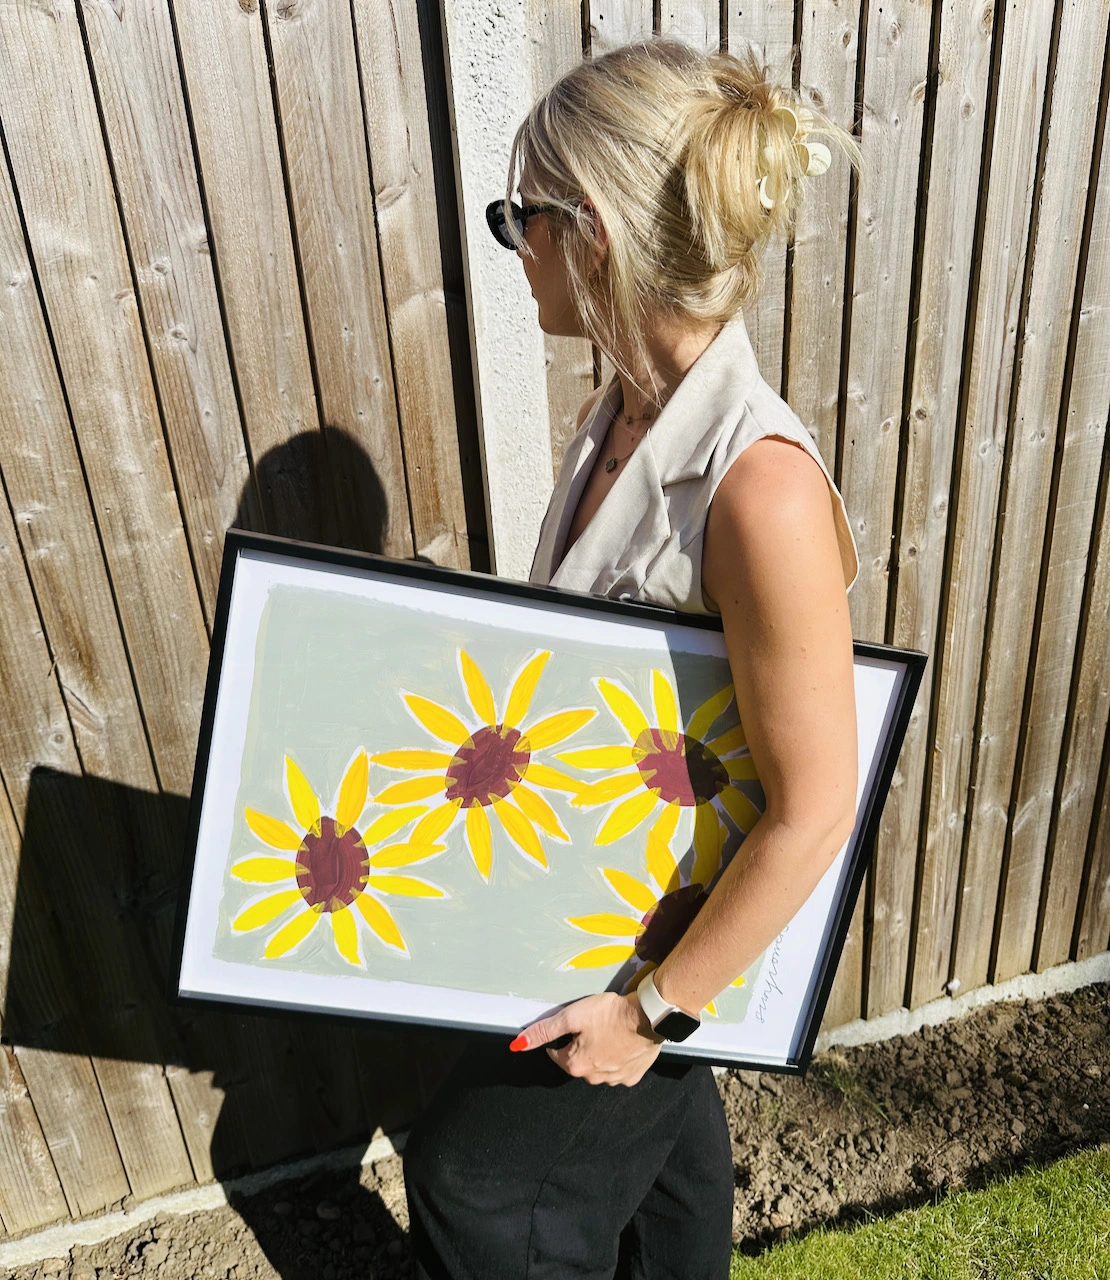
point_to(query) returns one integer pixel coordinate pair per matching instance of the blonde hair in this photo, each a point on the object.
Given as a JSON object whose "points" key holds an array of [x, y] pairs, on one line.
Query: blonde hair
{"points": [[668, 144]]}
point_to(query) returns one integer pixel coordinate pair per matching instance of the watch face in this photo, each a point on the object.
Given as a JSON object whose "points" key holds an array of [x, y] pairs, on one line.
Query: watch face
{"points": [[677, 1025]]}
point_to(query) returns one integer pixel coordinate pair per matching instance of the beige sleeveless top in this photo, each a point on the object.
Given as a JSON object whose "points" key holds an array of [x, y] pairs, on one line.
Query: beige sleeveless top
{"points": [[644, 542]]}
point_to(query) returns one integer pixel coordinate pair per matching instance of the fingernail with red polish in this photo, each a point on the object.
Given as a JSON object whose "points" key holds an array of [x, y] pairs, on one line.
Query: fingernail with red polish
{"points": [[521, 1042]]}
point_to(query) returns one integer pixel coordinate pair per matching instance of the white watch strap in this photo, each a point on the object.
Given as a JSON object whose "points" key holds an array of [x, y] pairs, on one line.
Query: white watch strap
{"points": [[651, 1001]]}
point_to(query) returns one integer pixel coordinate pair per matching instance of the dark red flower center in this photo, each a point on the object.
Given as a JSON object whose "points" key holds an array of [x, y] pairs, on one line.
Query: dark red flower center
{"points": [[684, 769], [487, 766], [668, 920], [334, 867]]}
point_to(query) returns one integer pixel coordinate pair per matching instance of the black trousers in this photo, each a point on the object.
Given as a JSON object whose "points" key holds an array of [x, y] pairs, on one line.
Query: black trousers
{"points": [[521, 1172]]}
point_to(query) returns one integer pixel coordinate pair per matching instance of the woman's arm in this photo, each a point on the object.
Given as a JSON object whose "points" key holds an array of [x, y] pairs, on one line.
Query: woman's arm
{"points": [[772, 565]]}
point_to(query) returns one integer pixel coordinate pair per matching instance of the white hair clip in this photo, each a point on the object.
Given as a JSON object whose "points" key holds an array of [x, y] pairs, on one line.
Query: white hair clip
{"points": [[815, 157]]}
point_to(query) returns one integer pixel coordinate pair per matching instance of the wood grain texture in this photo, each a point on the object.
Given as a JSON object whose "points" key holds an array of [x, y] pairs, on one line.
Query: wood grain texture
{"points": [[132, 54], [1023, 520], [394, 108], [616, 22], [769, 27], [963, 68], [1009, 183], [1071, 696], [222, 49], [76, 239], [556, 35]]}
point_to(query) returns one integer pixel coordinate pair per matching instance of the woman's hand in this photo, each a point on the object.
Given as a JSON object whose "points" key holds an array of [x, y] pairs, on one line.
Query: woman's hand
{"points": [[613, 1040]]}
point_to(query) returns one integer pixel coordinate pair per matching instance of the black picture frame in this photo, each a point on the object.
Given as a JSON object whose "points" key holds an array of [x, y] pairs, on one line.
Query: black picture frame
{"points": [[238, 542]]}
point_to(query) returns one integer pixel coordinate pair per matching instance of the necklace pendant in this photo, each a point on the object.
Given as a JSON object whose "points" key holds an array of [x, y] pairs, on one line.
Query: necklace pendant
{"points": [[610, 464]]}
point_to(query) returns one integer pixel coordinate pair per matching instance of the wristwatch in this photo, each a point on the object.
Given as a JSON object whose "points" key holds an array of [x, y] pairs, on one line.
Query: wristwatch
{"points": [[666, 1019]]}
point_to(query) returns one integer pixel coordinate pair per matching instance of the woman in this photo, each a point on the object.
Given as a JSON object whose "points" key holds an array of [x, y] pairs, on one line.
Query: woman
{"points": [[650, 178]]}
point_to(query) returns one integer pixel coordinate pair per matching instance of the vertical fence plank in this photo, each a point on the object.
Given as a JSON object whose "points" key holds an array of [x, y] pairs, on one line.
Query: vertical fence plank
{"points": [[227, 84], [30, 1193], [616, 22], [769, 27], [555, 31], [332, 217], [48, 109], [828, 58], [945, 270], [135, 65], [1069, 717], [395, 112], [1093, 927], [698, 22], [896, 57], [1009, 183], [1031, 440]]}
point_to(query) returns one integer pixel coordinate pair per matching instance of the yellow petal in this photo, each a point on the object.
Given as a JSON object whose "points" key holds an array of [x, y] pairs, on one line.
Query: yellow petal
{"points": [[542, 775], [599, 957], [711, 1008], [376, 914], [594, 793], [411, 789], [709, 713], [660, 859], [266, 870], [541, 813], [601, 757], [385, 826], [403, 855], [278, 835], [520, 831], [739, 808], [268, 909], [609, 924], [741, 768], [477, 690], [731, 740], [626, 816], [638, 896], [431, 827], [291, 934], [301, 796], [666, 704], [439, 722], [524, 686], [546, 733], [709, 839], [352, 793], [346, 935], [479, 838], [737, 982], [413, 759], [624, 706], [405, 887]]}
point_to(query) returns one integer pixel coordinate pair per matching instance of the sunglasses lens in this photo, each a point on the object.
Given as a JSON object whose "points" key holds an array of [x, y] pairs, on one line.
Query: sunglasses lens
{"points": [[495, 217]]}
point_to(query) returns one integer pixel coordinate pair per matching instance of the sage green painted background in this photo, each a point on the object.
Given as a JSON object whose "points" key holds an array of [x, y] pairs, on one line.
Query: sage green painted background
{"points": [[328, 674]]}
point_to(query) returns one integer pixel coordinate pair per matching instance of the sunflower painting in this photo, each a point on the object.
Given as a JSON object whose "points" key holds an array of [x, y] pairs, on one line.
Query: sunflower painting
{"points": [[488, 765], [666, 767], [327, 866], [655, 912]]}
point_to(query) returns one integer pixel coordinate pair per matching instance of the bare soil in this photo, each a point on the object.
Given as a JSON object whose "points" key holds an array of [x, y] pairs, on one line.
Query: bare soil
{"points": [[869, 1131]]}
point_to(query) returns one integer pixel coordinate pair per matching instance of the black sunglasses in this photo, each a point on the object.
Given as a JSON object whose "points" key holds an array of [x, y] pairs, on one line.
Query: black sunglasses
{"points": [[495, 216]]}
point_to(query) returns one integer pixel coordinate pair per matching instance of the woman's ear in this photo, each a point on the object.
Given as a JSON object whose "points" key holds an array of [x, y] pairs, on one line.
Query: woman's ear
{"points": [[597, 232]]}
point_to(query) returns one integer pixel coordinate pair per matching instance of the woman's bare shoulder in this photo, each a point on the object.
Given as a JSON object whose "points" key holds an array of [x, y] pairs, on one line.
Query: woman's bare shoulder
{"points": [[587, 405], [771, 515]]}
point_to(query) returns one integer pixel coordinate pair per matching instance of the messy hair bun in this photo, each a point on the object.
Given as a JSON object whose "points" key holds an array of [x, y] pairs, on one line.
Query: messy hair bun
{"points": [[692, 160]]}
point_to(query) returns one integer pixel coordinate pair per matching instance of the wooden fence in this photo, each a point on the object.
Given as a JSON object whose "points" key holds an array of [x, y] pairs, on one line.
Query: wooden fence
{"points": [[233, 279]]}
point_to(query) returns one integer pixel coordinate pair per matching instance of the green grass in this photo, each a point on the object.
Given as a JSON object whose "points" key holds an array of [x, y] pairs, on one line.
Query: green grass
{"points": [[1049, 1223]]}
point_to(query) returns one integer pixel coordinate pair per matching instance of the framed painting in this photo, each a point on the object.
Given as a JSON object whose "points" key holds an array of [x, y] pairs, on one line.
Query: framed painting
{"points": [[432, 796]]}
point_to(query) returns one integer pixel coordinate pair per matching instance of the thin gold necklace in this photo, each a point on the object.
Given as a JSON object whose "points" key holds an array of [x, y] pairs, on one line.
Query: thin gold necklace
{"points": [[613, 461]]}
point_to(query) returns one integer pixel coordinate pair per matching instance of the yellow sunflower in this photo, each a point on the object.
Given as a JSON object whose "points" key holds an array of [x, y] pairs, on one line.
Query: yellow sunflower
{"points": [[663, 911], [666, 764], [488, 766], [331, 870]]}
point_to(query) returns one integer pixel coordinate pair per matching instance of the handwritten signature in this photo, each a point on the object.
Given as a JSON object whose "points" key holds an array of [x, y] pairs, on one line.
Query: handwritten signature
{"points": [[771, 985]]}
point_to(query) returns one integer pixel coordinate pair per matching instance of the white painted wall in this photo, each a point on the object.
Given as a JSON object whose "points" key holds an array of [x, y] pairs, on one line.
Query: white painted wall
{"points": [[490, 78]]}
